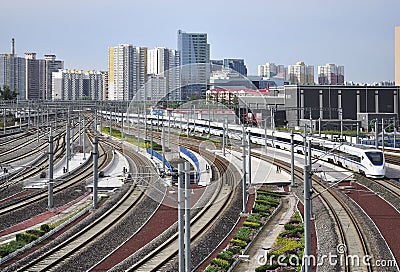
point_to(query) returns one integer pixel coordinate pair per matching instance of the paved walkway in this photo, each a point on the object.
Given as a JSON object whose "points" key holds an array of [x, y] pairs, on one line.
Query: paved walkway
{"points": [[265, 240]]}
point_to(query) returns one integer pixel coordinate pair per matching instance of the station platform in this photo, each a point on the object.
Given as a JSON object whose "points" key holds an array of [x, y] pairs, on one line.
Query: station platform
{"points": [[262, 172], [114, 175], [58, 172]]}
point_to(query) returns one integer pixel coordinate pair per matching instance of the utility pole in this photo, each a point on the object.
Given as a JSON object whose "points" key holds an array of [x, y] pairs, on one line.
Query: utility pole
{"points": [[383, 136], [187, 217], [307, 212], [50, 202], [376, 134], [163, 145], [292, 159], [181, 231], [95, 171], [249, 154], [83, 140], [244, 195], [138, 128], [67, 143], [151, 137]]}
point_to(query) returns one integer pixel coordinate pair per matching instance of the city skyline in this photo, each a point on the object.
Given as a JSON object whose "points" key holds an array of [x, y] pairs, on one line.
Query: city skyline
{"points": [[355, 34]]}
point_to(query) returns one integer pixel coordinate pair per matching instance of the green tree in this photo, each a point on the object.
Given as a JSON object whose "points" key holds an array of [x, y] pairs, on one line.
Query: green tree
{"points": [[7, 93]]}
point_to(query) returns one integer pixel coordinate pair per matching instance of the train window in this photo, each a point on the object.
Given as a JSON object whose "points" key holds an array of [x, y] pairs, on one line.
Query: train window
{"points": [[375, 157]]}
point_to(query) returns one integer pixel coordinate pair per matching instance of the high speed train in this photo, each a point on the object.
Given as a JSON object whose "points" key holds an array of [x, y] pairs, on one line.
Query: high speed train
{"points": [[362, 159]]}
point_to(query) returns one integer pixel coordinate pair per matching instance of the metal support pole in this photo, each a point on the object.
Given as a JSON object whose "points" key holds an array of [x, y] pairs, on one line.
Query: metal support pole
{"points": [[110, 122], [292, 158], [249, 155], [163, 146], [138, 128], [181, 219], [358, 134], [72, 138], [376, 134], [151, 138], [169, 131], [79, 128], [209, 122], [383, 136], [50, 202], [307, 216], [84, 140], [394, 136], [265, 136], [244, 194], [223, 139], [68, 148], [4, 121], [95, 171], [319, 127], [187, 217]]}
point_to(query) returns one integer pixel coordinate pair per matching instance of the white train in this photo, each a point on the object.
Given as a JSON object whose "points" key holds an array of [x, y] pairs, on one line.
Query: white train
{"points": [[362, 159]]}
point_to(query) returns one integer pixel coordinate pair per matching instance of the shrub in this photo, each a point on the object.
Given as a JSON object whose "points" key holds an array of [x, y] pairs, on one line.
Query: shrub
{"points": [[221, 263], [254, 218], [269, 193], [226, 255], [36, 232], [258, 208], [45, 228], [234, 249], [253, 225], [238, 242], [268, 202], [267, 267], [243, 233], [26, 237], [10, 247]]}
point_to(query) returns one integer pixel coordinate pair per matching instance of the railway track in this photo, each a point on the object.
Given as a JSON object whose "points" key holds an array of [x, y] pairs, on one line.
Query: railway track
{"points": [[353, 240], [86, 237], [80, 175]]}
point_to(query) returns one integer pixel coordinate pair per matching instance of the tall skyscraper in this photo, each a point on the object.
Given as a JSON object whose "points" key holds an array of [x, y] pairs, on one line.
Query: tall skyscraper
{"points": [[194, 52], [397, 55], [301, 73], [127, 71], [331, 74], [237, 65], [32, 77]]}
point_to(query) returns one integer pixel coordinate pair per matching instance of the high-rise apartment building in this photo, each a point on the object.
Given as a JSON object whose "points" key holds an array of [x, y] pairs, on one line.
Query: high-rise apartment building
{"points": [[331, 74], [163, 67], [47, 66], [194, 52], [38, 75], [12, 73], [270, 70], [236, 65], [397, 55], [77, 85], [301, 73], [127, 71]]}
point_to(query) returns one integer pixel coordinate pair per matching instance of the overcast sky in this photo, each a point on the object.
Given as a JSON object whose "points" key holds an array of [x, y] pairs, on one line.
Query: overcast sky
{"points": [[358, 34]]}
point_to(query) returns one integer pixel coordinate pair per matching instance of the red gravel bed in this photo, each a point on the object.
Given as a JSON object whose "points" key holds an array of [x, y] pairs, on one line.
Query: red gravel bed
{"points": [[300, 207], [386, 218], [163, 218], [224, 244], [40, 218]]}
